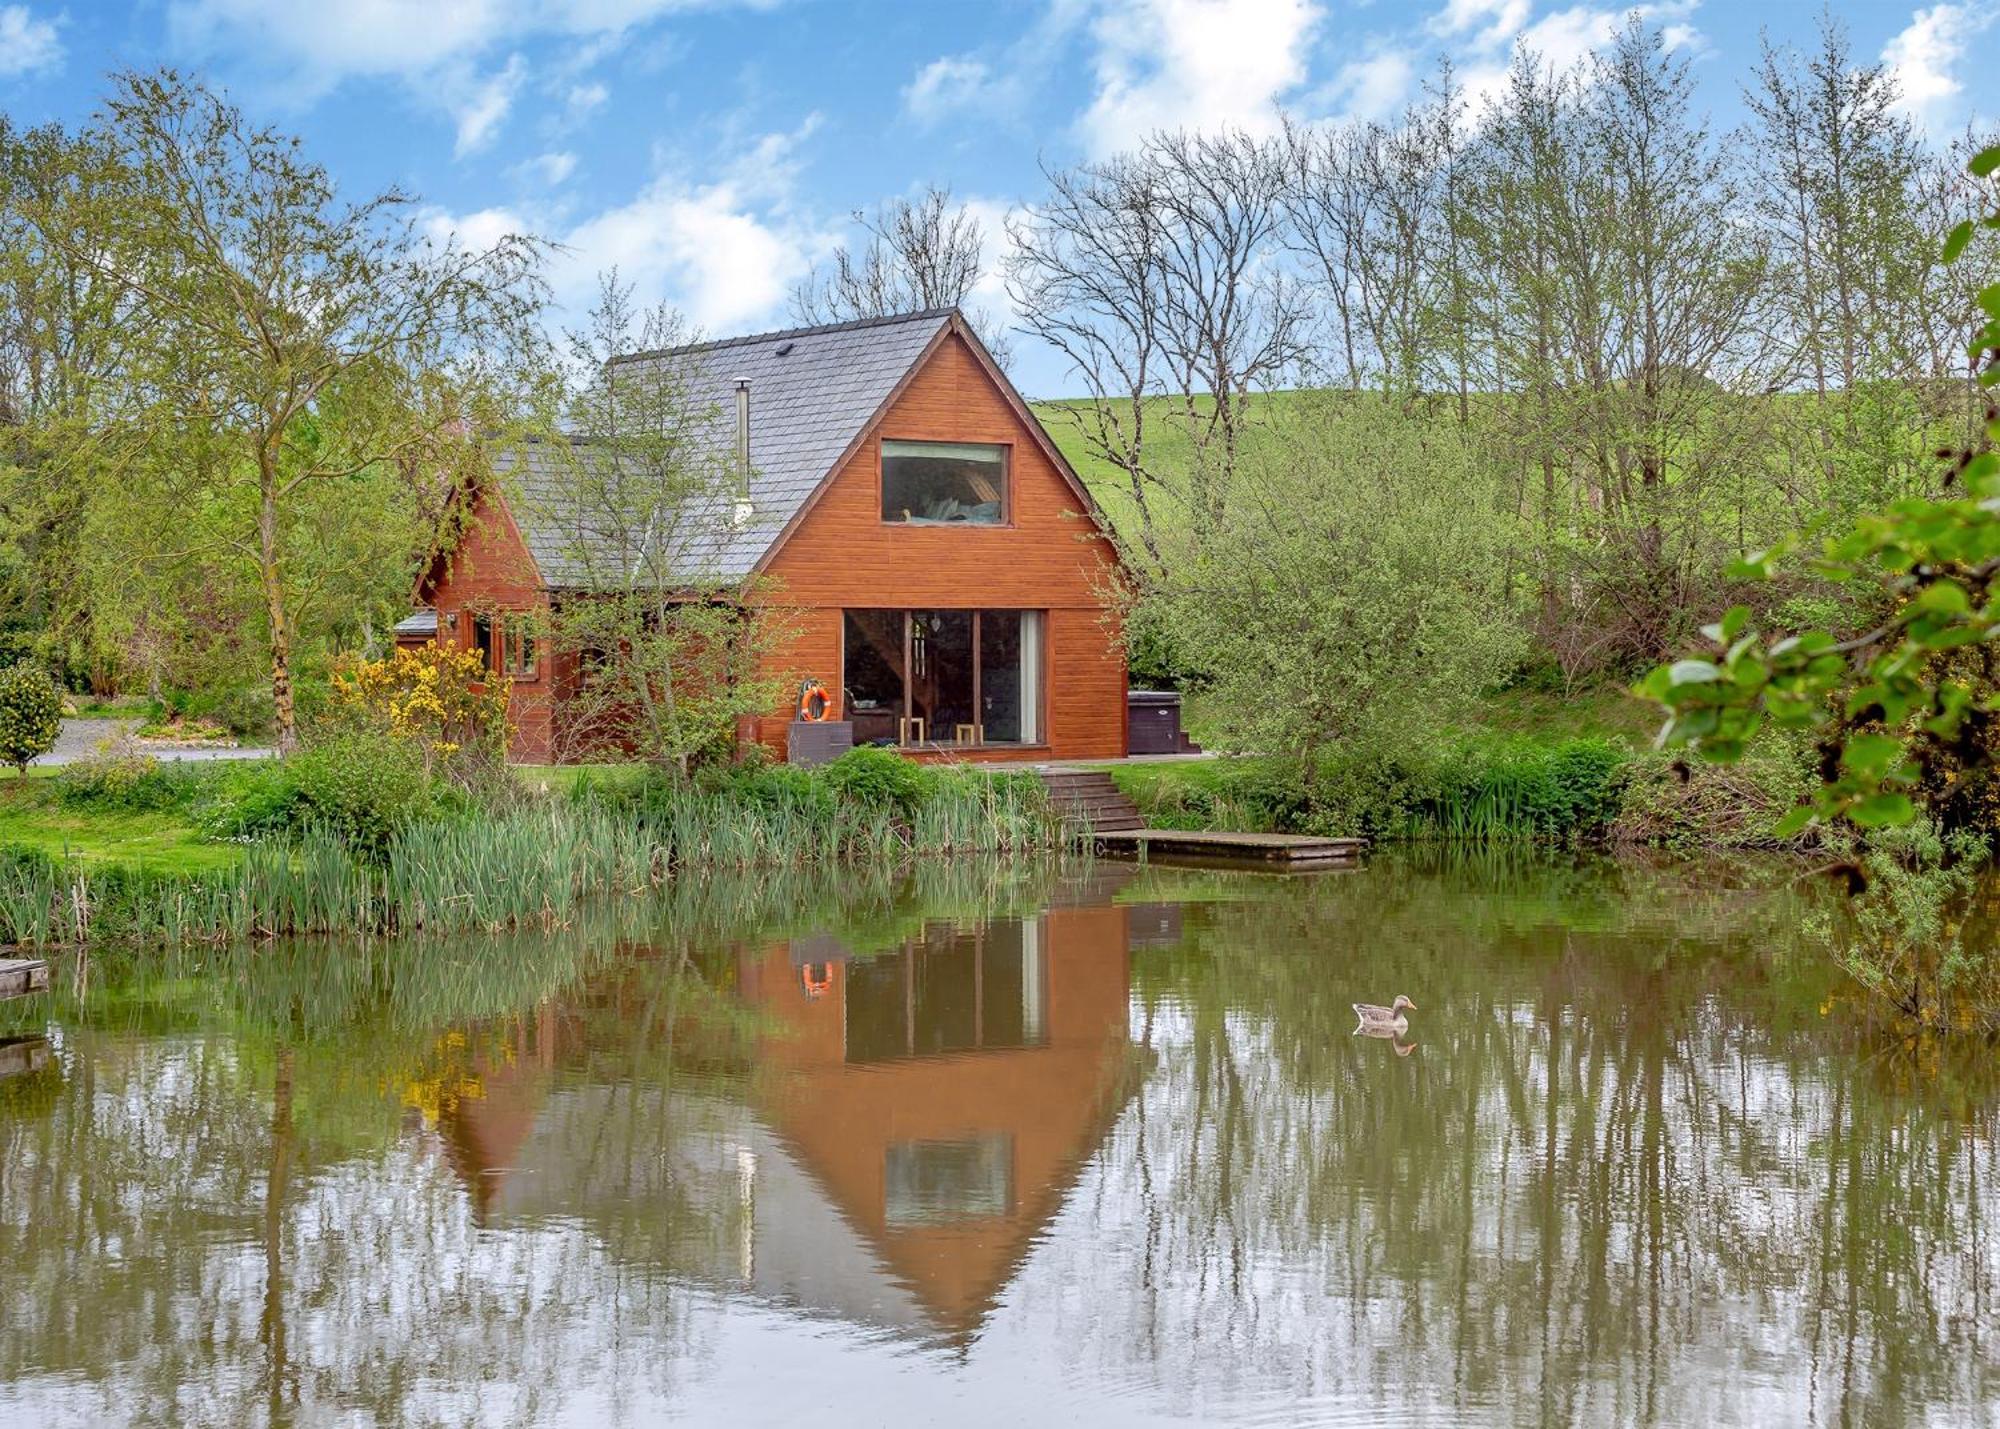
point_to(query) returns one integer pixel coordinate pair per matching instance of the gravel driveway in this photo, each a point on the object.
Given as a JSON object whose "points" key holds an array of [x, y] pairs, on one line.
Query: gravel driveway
{"points": [[80, 737]]}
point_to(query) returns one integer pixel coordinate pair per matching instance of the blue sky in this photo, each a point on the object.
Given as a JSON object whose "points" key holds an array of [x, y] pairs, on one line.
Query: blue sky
{"points": [[712, 149]]}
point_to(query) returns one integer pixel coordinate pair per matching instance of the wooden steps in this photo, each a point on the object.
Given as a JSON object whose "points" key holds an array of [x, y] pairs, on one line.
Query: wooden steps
{"points": [[1117, 830], [21, 976], [1088, 796]]}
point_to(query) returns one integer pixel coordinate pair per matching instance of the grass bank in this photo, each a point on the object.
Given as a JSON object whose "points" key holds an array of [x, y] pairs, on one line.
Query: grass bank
{"points": [[1486, 787], [133, 850], [35, 818]]}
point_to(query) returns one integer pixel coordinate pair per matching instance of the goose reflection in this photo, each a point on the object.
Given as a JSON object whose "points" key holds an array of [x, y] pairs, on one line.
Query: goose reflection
{"points": [[1390, 1032]]}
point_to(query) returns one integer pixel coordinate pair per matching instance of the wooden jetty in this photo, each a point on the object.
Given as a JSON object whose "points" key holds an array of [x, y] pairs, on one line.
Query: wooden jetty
{"points": [[22, 1055], [1216, 849], [1118, 830], [22, 976]]}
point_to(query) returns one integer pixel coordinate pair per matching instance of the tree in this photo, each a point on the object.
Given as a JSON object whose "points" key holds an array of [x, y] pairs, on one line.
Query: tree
{"points": [[1156, 275], [1911, 706], [1350, 594], [1366, 207], [303, 364], [920, 253], [59, 319], [1834, 172], [670, 650], [30, 714]]}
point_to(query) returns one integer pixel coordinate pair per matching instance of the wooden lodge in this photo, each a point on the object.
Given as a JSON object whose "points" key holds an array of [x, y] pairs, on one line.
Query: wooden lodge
{"points": [[939, 563]]}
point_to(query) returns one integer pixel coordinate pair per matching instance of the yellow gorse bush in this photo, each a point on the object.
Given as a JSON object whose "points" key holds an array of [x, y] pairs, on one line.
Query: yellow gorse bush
{"points": [[442, 699]]}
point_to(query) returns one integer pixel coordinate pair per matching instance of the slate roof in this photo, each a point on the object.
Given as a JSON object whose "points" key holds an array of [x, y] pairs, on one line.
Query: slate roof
{"points": [[812, 392], [423, 621]]}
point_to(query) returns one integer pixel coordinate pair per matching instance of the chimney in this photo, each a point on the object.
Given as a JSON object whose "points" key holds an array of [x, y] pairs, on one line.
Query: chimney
{"points": [[743, 510]]}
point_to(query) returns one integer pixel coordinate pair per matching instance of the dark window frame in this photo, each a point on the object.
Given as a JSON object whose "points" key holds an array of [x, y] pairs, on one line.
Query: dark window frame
{"points": [[931, 741], [1006, 451]]}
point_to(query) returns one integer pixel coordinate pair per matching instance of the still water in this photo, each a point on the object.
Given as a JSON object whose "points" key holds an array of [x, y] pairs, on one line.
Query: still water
{"points": [[1010, 1145]]}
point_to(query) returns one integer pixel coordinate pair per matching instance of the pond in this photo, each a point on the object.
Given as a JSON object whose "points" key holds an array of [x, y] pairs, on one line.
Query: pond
{"points": [[999, 1144]]}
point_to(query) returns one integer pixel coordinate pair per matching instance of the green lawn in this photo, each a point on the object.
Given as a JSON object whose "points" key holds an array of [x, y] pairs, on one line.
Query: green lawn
{"points": [[161, 841], [1602, 711], [560, 778]]}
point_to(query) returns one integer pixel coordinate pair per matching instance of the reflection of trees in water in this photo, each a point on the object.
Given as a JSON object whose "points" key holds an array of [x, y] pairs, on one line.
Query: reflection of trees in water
{"points": [[1615, 1183], [178, 1247], [231, 1202], [1631, 1172]]}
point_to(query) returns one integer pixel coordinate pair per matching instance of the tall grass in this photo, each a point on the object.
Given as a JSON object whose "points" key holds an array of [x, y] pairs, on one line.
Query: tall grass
{"points": [[533, 866], [1478, 791], [1519, 792]]}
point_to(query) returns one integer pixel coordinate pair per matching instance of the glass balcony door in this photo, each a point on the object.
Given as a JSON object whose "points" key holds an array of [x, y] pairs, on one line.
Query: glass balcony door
{"points": [[942, 677]]}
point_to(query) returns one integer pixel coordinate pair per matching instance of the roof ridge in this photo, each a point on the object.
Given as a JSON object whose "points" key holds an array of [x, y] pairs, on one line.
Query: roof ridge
{"points": [[851, 325]]}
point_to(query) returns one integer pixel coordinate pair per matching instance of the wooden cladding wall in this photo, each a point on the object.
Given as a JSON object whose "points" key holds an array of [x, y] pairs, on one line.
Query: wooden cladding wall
{"points": [[491, 570], [1048, 557]]}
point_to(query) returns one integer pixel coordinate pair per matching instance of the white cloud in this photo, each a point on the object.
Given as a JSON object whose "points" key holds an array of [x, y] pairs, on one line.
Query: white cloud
{"points": [[1374, 88], [1563, 39], [27, 45], [1922, 57], [946, 85], [1502, 20], [333, 39], [307, 48], [549, 169], [1194, 64], [726, 252], [704, 249], [481, 111]]}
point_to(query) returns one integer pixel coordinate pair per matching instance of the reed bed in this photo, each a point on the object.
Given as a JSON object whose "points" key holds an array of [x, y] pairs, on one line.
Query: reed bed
{"points": [[1525, 793], [533, 866]]}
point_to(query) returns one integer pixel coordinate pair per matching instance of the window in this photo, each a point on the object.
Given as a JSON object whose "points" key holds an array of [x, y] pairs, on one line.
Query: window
{"points": [[948, 992], [948, 483], [872, 690], [953, 677], [523, 650], [483, 634], [937, 1183]]}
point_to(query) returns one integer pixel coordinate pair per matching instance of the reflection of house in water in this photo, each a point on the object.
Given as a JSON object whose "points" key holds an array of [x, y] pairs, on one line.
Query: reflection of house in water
{"points": [[915, 1118]]}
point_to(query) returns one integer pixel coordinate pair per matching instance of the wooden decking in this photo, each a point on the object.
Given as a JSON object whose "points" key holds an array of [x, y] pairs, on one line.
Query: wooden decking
{"points": [[1215, 848], [1118, 830], [21, 976]]}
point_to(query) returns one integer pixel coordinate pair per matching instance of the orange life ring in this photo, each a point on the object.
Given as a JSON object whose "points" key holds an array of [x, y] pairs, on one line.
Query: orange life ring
{"points": [[817, 978], [814, 702]]}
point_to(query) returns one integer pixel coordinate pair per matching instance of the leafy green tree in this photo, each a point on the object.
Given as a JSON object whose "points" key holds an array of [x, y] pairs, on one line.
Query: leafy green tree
{"points": [[1351, 593], [669, 650], [59, 320], [302, 363], [1909, 708]]}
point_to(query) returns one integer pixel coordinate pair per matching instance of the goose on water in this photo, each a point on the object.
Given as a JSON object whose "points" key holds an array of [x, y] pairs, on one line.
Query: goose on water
{"points": [[1388, 1018]]}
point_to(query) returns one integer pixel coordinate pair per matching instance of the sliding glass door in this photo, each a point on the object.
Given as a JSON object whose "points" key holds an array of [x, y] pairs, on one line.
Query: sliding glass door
{"points": [[942, 677]]}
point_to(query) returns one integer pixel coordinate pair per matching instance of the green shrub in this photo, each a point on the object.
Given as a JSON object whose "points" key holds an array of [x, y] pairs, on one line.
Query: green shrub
{"points": [[768, 786], [875, 781], [364, 787], [1679, 803], [1561, 792], [247, 800], [246, 709], [119, 775], [30, 714]]}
